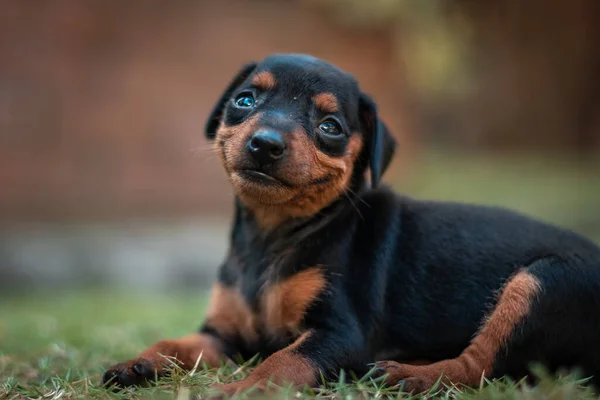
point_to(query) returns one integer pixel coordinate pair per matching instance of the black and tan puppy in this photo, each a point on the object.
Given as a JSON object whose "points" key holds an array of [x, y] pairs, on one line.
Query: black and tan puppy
{"points": [[327, 270]]}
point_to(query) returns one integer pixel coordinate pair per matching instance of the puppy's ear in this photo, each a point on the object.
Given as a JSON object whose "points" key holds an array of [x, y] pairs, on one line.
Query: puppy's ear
{"points": [[380, 143], [214, 120]]}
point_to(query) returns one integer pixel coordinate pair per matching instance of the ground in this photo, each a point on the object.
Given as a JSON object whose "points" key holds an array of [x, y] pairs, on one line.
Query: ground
{"points": [[56, 344]]}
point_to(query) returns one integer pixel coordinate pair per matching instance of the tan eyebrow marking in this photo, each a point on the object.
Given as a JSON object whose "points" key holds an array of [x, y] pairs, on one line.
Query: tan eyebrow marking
{"points": [[326, 102], [264, 80]]}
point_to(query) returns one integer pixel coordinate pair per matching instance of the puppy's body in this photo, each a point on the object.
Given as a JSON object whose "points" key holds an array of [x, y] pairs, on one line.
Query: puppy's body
{"points": [[415, 279], [325, 273]]}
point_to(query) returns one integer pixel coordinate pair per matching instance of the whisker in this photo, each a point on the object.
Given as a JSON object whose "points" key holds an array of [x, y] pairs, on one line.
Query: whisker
{"points": [[197, 151], [206, 159], [354, 205], [359, 198]]}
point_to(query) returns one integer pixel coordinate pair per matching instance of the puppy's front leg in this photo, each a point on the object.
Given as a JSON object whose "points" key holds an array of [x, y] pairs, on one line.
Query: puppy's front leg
{"points": [[151, 362], [300, 363]]}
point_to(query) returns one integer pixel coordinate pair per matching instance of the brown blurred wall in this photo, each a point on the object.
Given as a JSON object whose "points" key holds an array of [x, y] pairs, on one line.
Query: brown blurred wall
{"points": [[536, 73], [497, 75], [102, 103]]}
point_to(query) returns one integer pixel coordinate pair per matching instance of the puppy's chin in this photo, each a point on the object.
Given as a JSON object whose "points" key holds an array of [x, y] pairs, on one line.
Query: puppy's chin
{"points": [[256, 190]]}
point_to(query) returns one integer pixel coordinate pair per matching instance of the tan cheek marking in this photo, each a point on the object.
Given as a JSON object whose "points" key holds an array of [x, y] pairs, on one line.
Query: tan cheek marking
{"points": [[229, 313], [230, 141], [354, 147], [337, 169], [344, 164], [285, 304], [326, 102], [264, 80], [307, 163]]}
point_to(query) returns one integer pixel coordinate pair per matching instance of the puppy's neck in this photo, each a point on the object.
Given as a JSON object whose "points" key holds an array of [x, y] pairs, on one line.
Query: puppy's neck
{"points": [[269, 218], [270, 223]]}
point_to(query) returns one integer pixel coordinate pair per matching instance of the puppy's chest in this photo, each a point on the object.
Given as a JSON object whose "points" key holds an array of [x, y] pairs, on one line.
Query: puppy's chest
{"points": [[262, 305]]}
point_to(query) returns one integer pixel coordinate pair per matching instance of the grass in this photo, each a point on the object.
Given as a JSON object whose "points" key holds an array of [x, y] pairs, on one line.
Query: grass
{"points": [[56, 345]]}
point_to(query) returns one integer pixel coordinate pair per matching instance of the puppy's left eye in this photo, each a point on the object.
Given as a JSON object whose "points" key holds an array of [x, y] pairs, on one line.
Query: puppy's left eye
{"points": [[331, 127], [245, 100]]}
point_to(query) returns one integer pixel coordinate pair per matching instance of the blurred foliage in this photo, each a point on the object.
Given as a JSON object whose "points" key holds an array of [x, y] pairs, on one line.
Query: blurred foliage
{"points": [[495, 74], [560, 190], [432, 40]]}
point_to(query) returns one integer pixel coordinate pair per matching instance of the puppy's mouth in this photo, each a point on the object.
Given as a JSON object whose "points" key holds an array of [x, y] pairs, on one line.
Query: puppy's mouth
{"points": [[261, 178]]}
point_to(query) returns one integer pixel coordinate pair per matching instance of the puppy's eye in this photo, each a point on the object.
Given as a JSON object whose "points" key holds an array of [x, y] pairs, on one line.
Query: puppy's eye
{"points": [[331, 127], [245, 100]]}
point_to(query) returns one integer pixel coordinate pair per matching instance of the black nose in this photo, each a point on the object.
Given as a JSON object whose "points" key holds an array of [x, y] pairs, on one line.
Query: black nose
{"points": [[266, 147]]}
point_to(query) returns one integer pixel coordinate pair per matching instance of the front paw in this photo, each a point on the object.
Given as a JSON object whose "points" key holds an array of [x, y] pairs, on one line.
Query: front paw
{"points": [[135, 372], [410, 378]]}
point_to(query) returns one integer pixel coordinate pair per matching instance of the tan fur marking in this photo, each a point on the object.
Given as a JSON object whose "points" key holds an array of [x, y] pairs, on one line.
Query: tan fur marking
{"points": [[283, 367], [284, 305], [326, 102], [230, 141], [186, 350], [229, 313], [477, 359], [513, 306], [264, 80]]}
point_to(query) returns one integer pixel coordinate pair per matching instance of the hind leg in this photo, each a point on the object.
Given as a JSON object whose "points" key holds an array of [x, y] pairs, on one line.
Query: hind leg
{"points": [[477, 360]]}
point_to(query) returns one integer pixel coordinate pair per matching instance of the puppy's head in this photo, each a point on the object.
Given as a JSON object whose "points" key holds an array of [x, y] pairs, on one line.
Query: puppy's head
{"points": [[294, 133]]}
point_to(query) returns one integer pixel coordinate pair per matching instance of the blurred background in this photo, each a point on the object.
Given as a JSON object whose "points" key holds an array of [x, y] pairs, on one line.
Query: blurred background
{"points": [[106, 179]]}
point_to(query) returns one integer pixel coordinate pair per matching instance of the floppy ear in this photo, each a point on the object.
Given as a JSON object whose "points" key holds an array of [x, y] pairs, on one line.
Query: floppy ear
{"points": [[214, 120], [380, 143]]}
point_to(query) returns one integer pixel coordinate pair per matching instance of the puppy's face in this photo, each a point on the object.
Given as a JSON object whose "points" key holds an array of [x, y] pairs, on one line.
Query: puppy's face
{"points": [[289, 134]]}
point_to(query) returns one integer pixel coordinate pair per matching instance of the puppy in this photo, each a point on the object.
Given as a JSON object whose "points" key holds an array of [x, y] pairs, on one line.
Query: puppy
{"points": [[328, 270]]}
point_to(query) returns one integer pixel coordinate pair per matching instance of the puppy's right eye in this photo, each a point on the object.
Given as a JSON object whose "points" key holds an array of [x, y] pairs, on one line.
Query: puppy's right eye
{"points": [[331, 127], [244, 100]]}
